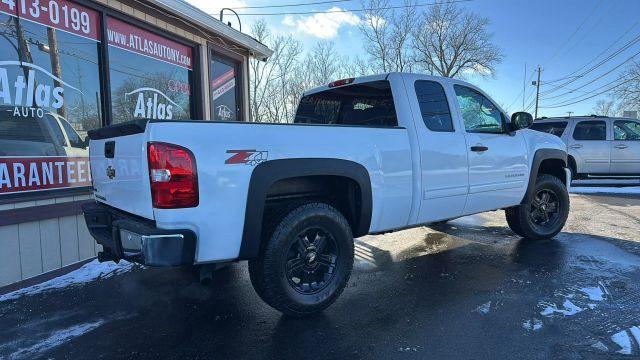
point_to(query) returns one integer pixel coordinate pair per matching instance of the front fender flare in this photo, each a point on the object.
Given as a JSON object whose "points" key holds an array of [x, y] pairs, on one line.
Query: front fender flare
{"points": [[538, 158], [267, 173]]}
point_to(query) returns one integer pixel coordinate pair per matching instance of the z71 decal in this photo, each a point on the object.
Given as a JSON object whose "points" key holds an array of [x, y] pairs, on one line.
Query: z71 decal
{"points": [[248, 157]]}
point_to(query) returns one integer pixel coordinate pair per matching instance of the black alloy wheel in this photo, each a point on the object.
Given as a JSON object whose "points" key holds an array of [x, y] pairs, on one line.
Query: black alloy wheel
{"points": [[311, 261], [545, 208]]}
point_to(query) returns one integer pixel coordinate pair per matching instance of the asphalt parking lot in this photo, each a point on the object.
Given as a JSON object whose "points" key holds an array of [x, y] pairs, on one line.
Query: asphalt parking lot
{"points": [[466, 290]]}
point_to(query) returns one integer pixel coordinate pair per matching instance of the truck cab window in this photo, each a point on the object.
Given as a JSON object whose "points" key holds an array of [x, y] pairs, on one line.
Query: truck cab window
{"points": [[479, 114], [369, 104], [433, 106]]}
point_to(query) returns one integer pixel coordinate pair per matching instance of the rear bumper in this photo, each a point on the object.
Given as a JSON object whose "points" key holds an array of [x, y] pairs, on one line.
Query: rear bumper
{"points": [[128, 237]]}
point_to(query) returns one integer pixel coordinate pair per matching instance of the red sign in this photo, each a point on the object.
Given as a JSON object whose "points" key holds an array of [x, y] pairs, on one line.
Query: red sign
{"points": [[220, 80], [128, 37], [59, 14], [43, 173]]}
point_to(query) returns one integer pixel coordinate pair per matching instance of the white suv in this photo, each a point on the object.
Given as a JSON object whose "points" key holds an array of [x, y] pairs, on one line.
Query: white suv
{"points": [[598, 146]]}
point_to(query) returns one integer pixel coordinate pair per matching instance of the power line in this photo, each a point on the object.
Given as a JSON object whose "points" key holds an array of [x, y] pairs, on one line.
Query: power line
{"points": [[557, 52], [602, 62], [290, 5], [591, 96], [596, 79], [597, 56], [355, 10]]}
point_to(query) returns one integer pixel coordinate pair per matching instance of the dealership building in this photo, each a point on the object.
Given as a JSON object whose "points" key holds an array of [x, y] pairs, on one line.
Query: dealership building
{"points": [[67, 67]]}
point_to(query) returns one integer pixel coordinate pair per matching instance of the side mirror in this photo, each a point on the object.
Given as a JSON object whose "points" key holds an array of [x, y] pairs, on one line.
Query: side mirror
{"points": [[521, 120]]}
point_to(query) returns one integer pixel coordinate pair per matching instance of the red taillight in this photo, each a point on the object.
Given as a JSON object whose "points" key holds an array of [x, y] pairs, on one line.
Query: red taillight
{"points": [[173, 176], [341, 82]]}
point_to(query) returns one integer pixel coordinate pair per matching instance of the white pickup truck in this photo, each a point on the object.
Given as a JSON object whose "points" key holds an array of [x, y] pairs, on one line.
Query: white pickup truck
{"points": [[363, 156]]}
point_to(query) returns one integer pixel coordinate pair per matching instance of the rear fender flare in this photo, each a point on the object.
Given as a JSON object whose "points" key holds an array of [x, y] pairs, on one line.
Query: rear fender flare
{"points": [[267, 173]]}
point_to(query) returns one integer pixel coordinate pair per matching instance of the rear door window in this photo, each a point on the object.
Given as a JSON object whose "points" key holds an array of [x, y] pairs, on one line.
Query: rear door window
{"points": [[553, 128], [590, 130], [433, 106], [369, 104]]}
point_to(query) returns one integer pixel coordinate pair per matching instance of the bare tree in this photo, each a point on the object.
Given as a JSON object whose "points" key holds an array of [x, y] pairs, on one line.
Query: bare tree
{"points": [[377, 34], [627, 92], [270, 81], [387, 35], [453, 42], [605, 107], [324, 63]]}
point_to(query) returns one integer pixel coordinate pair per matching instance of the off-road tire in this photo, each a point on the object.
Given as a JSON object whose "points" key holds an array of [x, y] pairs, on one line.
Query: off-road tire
{"points": [[511, 214], [268, 273], [520, 220]]}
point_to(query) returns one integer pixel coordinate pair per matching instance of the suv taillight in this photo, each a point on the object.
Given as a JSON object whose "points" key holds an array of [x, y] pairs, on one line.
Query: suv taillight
{"points": [[173, 176]]}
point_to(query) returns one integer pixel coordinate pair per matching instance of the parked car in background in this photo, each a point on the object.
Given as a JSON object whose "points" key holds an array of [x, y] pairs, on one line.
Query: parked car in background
{"points": [[48, 135], [598, 146], [365, 155]]}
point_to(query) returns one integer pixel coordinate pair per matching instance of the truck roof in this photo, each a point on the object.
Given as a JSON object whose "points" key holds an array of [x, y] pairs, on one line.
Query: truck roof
{"points": [[383, 76]]}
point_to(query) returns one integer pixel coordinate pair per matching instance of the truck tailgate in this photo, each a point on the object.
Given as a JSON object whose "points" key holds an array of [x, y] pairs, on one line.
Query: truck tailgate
{"points": [[120, 174]]}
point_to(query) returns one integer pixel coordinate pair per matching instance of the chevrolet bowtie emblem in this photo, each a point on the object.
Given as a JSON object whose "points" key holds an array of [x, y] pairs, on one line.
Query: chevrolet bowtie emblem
{"points": [[111, 172]]}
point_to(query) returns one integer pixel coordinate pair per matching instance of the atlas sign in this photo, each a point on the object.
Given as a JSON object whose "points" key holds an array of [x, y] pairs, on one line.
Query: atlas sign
{"points": [[28, 96]]}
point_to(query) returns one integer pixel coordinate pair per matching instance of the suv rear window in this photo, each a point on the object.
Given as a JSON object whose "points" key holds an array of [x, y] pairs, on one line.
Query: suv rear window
{"points": [[369, 104], [553, 128]]}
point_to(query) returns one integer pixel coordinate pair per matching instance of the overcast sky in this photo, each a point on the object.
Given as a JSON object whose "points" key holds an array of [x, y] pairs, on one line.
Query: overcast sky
{"points": [[561, 36]]}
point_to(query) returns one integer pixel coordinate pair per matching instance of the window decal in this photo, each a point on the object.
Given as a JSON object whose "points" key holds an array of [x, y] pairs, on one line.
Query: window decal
{"points": [[142, 42]]}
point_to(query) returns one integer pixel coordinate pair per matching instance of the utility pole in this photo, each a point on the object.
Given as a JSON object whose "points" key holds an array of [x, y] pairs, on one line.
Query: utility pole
{"points": [[524, 84], [569, 112], [537, 84]]}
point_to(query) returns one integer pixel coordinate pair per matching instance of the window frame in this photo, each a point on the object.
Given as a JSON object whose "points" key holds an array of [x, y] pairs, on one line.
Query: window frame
{"points": [[197, 106], [503, 117], [341, 108], [229, 58], [575, 126], [446, 99], [613, 127]]}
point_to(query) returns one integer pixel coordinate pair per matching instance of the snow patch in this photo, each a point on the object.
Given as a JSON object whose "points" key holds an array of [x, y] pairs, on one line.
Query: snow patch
{"points": [[57, 338], [89, 272], [600, 346], [484, 308], [594, 293], [623, 340], [532, 325], [569, 309], [635, 331]]}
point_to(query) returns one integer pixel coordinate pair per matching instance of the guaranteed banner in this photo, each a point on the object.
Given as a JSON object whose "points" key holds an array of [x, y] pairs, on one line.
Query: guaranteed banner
{"points": [[22, 174]]}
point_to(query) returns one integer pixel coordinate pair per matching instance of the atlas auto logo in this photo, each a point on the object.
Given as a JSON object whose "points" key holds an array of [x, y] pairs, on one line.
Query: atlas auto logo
{"points": [[247, 157]]}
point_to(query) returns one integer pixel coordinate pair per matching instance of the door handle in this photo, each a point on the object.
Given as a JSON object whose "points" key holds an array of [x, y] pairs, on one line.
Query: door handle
{"points": [[479, 148], [576, 146], [621, 146]]}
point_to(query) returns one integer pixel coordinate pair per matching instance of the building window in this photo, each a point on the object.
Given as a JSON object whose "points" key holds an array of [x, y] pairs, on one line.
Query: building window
{"points": [[150, 76], [225, 88], [49, 94]]}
